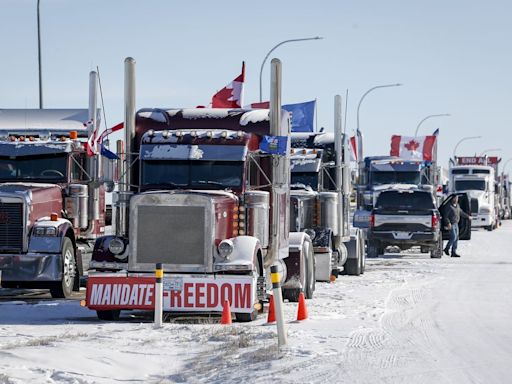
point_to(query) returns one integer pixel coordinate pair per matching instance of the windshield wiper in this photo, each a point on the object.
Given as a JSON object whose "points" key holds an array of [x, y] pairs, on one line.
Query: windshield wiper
{"points": [[209, 182]]}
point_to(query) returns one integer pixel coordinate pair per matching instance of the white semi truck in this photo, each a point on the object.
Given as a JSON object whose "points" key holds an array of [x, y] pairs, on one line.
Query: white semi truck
{"points": [[479, 182]]}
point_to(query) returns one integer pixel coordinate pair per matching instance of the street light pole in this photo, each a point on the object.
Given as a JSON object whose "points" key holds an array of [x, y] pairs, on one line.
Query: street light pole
{"points": [[39, 58], [489, 150], [461, 140], [426, 118], [272, 50], [359, 146]]}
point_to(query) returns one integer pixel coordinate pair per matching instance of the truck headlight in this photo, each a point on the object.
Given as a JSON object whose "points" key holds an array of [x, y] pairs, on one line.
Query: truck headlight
{"points": [[485, 209], [225, 249], [116, 246], [311, 233], [45, 231]]}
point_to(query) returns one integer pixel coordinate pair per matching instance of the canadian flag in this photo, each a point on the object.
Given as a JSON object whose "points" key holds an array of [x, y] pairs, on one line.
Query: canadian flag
{"points": [[413, 148], [231, 96]]}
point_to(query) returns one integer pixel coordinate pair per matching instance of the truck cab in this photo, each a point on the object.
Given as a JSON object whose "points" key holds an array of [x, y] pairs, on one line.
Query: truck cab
{"points": [[51, 208], [478, 181]]}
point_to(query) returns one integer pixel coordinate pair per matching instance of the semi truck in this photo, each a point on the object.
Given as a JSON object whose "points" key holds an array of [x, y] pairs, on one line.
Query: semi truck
{"points": [[320, 200], [476, 176], [200, 196], [52, 200]]}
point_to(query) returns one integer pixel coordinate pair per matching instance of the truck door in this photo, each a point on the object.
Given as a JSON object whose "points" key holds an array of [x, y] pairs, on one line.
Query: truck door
{"points": [[464, 223]]}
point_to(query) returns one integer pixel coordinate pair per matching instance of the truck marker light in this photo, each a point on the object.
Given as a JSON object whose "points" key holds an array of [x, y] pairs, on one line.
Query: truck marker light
{"points": [[54, 216], [241, 232], [241, 216], [209, 134], [224, 134], [240, 134], [12, 138], [31, 138], [22, 138], [151, 133], [73, 135], [235, 216], [165, 134], [235, 232]]}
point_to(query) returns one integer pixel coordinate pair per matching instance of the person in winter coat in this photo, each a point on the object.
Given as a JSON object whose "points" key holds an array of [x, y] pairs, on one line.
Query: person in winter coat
{"points": [[452, 218]]}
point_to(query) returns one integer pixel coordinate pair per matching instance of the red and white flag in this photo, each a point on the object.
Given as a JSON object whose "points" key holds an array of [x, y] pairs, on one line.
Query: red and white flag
{"points": [[413, 148], [107, 132], [231, 96], [353, 148], [91, 145]]}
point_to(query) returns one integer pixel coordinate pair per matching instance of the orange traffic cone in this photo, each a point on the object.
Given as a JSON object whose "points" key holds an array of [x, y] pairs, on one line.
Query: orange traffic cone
{"points": [[271, 311], [226, 313], [302, 313]]}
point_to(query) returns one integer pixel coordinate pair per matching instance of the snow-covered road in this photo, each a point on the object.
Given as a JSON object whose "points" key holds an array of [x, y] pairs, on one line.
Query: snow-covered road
{"points": [[408, 319]]}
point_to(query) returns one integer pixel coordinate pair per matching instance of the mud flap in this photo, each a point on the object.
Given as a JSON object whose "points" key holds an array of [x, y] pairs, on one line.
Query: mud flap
{"points": [[323, 266]]}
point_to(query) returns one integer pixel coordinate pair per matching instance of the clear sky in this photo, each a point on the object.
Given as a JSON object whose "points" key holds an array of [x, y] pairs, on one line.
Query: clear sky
{"points": [[453, 56]]}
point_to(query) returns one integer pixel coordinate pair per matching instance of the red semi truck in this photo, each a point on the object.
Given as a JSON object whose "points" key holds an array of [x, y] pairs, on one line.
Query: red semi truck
{"points": [[52, 204], [200, 197]]}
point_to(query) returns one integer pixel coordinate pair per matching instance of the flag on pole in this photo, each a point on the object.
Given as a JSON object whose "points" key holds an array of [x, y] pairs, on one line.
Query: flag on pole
{"points": [[107, 153], [303, 115], [353, 148], [231, 96], [413, 148], [91, 145], [107, 132], [260, 105], [274, 144]]}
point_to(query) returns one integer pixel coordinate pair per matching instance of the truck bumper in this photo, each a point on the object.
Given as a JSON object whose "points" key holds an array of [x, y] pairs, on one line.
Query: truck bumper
{"points": [[30, 268], [479, 221], [181, 293], [404, 238]]}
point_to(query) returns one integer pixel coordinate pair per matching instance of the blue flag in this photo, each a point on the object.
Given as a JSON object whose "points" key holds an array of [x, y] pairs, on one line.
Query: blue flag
{"points": [[108, 154], [303, 115], [274, 144]]}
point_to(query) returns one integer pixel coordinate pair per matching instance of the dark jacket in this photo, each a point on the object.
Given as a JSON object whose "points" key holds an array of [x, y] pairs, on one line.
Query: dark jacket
{"points": [[453, 214]]}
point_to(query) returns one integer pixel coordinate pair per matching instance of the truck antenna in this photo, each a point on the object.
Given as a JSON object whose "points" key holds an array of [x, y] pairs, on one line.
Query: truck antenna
{"points": [[101, 96]]}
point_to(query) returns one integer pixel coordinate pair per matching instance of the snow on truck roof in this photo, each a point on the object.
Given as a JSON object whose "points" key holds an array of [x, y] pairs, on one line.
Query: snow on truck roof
{"points": [[53, 120]]}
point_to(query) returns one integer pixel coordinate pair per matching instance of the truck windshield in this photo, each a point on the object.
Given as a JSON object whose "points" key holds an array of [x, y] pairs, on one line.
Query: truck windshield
{"points": [[305, 178], [405, 200], [378, 178], [192, 174], [47, 168], [470, 185]]}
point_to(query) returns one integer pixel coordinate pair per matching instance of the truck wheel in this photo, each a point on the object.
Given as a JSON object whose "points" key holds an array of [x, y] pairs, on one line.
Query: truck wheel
{"points": [[246, 317], [310, 270], [291, 294], [372, 249], [437, 252], [353, 267], [489, 228], [423, 249], [362, 256], [109, 315], [63, 289]]}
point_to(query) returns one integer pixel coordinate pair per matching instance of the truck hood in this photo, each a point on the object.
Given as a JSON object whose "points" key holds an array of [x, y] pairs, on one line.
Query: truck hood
{"points": [[40, 199], [383, 187]]}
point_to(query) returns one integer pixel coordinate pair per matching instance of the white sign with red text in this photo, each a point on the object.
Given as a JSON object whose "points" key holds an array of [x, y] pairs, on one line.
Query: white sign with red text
{"points": [[181, 293]]}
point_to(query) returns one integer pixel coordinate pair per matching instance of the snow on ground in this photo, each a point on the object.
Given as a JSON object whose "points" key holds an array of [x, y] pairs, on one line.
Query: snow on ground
{"points": [[408, 319]]}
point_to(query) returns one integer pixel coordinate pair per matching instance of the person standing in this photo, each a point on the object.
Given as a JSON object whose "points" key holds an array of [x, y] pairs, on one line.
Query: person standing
{"points": [[452, 218]]}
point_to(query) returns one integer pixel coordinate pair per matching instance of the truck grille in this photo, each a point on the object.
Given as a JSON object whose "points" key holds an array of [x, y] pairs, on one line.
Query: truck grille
{"points": [[171, 235], [11, 227], [474, 206]]}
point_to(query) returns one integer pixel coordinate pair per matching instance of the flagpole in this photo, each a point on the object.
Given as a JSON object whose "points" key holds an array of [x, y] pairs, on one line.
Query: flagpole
{"points": [[316, 117]]}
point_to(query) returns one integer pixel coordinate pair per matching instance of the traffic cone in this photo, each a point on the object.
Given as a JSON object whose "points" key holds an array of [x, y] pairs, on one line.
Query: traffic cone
{"points": [[302, 313], [271, 318], [226, 313]]}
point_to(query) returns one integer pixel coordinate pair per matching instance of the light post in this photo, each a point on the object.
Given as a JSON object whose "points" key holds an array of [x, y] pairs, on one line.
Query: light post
{"points": [[359, 146], [426, 118], [489, 150], [505, 165], [461, 140], [272, 50], [39, 58]]}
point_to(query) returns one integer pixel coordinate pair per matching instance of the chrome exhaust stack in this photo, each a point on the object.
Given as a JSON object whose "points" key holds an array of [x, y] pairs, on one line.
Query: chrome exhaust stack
{"points": [[278, 248], [94, 161], [123, 197]]}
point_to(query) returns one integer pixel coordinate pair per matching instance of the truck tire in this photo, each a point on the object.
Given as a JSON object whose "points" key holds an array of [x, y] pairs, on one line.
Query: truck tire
{"points": [[353, 267], [246, 317], [437, 252], [109, 315], [372, 249], [64, 288], [423, 249], [307, 281], [362, 256]]}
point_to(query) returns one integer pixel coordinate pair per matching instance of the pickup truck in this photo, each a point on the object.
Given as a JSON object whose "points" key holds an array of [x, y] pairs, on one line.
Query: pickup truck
{"points": [[408, 218]]}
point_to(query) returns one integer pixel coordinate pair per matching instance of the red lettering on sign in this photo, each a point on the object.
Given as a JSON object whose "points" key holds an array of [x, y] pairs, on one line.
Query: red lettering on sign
{"points": [[243, 298], [188, 292], [175, 299], [212, 295], [199, 295], [225, 293]]}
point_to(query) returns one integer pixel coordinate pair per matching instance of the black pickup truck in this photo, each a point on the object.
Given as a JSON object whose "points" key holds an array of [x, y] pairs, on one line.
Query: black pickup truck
{"points": [[408, 218]]}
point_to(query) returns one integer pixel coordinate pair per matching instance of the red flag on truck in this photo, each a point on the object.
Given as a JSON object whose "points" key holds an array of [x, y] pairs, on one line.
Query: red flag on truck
{"points": [[231, 96], [413, 148]]}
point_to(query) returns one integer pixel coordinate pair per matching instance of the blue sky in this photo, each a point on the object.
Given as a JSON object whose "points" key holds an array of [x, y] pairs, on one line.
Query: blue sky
{"points": [[452, 57]]}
